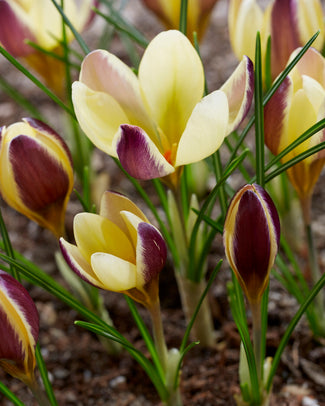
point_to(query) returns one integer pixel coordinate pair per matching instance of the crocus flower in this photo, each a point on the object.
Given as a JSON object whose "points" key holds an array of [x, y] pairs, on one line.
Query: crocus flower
{"points": [[117, 249], [198, 14], [290, 23], [297, 105], [251, 239], [36, 174], [40, 22], [157, 122], [19, 327]]}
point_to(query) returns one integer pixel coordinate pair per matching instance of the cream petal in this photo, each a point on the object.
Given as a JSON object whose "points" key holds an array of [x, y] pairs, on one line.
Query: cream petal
{"points": [[99, 116], [78, 264], [111, 206], [114, 273], [205, 130], [245, 18], [102, 71], [94, 233], [239, 89], [172, 80], [310, 19], [314, 91]]}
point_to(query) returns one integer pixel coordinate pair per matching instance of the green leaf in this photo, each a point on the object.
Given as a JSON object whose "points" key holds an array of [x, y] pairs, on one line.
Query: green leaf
{"points": [[146, 336], [259, 117], [9, 395]]}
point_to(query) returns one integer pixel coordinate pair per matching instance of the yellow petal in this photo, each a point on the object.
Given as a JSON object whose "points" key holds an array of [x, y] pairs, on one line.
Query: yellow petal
{"points": [[94, 233], [111, 206], [99, 116], [205, 130], [172, 80], [115, 273], [245, 18], [310, 20]]}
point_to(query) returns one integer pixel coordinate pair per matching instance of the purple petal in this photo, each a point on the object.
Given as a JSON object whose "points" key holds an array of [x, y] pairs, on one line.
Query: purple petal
{"points": [[275, 113], [40, 178], [151, 252], [139, 156], [13, 32], [284, 33], [44, 129], [13, 345]]}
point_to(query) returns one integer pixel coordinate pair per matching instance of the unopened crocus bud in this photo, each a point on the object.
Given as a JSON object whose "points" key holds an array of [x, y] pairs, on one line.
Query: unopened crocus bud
{"points": [[19, 327], [251, 239], [40, 22], [36, 174], [198, 14], [117, 249]]}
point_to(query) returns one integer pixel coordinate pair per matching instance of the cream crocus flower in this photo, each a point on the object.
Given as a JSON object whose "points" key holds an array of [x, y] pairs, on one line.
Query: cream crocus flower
{"points": [[40, 22], [117, 249], [19, 328], [198, 14], [290, 23], [36, 174], [297, 105], [157, 122]]}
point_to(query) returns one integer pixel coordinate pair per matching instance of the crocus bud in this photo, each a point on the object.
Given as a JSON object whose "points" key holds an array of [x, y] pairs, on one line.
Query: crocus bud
{"points": [[251, 239], [117, 249], [40, 22], [290, 23], [19, 327], [198, 14], [36, 175]]}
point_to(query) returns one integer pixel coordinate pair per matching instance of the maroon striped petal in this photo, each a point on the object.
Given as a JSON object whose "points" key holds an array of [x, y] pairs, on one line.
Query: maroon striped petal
{"points": [[19, 328], [151, 253], [13, 31], [275, 114], [139, 156], [44, 129], [40, 179], [284, 33]]}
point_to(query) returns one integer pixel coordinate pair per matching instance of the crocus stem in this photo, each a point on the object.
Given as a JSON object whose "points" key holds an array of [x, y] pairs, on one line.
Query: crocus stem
{"points": [[314, 268], [169, 360], [158, 333], [191, 292], [256, 320], [39, 394]]}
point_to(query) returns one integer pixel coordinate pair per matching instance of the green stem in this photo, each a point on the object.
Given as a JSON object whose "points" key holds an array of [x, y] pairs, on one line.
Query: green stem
{"points": [[158, 334], [39, 394], [257, 340]]}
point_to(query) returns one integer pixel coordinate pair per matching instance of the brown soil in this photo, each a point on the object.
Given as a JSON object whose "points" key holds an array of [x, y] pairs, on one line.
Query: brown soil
{"points": [[81, 371]]}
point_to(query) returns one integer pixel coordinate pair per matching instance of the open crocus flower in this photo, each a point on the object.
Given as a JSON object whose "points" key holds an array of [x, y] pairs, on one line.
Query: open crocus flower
{"points": [[158, 121], [36, 174], [117, 249], [297, 105], [198, 14], [19, 327], [251, 239], [290, 23], [40, 22]]}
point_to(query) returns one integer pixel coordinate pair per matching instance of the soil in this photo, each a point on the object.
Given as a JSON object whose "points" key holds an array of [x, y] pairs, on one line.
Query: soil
{"points": [[81, 371]]}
